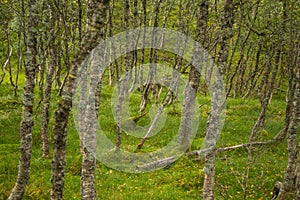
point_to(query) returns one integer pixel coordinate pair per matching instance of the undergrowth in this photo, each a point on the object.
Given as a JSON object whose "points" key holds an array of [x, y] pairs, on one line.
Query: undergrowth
{"points": [[181, 180]]}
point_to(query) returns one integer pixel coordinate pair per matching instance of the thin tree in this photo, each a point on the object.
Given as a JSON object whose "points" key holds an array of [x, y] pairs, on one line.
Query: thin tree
{"points": [[298, 176], [52, 49], [152, 60], [96, 12], [289, 184], [212, 132], [123, 85], [88, 190], [194, 77], [27, 110], [267, 87]]}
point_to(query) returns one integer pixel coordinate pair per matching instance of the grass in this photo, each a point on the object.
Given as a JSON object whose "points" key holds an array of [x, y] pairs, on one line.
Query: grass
{"points": [[182, 180]]}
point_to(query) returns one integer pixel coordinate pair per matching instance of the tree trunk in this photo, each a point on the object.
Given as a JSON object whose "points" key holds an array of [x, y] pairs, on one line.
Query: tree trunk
{"points": [[88, 190], [47, 91], [144, 23], [96, 17], [298, 176], [289, 185], [212, 133], [190, 93], [124, 84], [88, 136], [27, 120], [152, 60], [9, 54]]}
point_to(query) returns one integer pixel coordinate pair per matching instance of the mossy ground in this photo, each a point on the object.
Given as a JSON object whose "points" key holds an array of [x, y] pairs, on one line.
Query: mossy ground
{"points": [[182, 180]]}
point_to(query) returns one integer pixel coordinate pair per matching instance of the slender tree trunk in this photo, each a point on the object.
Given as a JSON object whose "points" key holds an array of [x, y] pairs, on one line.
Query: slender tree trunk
{"points": [[3, 65], [20, 60], [124, 84], [42, 65], [254, 74], [96, 17], [79, 3], [67, 34], [47, 91], [185, 129], [144, 23], [298, 176], [88, 138], [194, 78], [241, 65], [134, 54], [110, 34], [27, 120], [46, 107], [88, 190], [291, 62], [289, 185], [152, 60], [6, 63], [9, 54], [265, 97], [214, 118]]}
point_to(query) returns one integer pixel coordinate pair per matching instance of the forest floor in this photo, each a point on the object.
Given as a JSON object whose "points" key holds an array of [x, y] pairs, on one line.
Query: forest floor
{"points": [[181, 180]]}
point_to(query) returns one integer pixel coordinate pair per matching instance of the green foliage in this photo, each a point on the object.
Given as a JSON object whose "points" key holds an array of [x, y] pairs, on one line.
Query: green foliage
{"points": [[183, 179]]}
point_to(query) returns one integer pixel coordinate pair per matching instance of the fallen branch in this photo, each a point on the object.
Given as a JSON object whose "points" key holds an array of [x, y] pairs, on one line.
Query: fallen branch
{"points": [[222, 149], [157, 164], [170, 160], [244, 145]]}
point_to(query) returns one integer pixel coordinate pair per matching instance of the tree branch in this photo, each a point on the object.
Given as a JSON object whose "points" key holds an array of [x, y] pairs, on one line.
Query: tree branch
{"points": [[222, 149]]}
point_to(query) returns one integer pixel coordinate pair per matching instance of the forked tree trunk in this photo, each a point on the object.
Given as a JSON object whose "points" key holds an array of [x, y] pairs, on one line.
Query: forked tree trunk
{"points": [[96, 16], [27, 120]]}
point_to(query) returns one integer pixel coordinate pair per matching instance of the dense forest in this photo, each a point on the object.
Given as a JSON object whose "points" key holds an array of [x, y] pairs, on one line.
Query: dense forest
{"points": [[156, 99]]}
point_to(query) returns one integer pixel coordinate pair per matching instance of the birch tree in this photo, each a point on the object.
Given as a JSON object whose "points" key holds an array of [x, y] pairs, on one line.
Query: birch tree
{"points": [[27, 110], [96, 12], [288, 188], [194, 76], [88, 190], [214, 118], [49, 74]]}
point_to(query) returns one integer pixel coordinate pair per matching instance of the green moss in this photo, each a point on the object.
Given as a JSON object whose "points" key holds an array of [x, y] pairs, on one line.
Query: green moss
{"points": [[182, 180]]}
